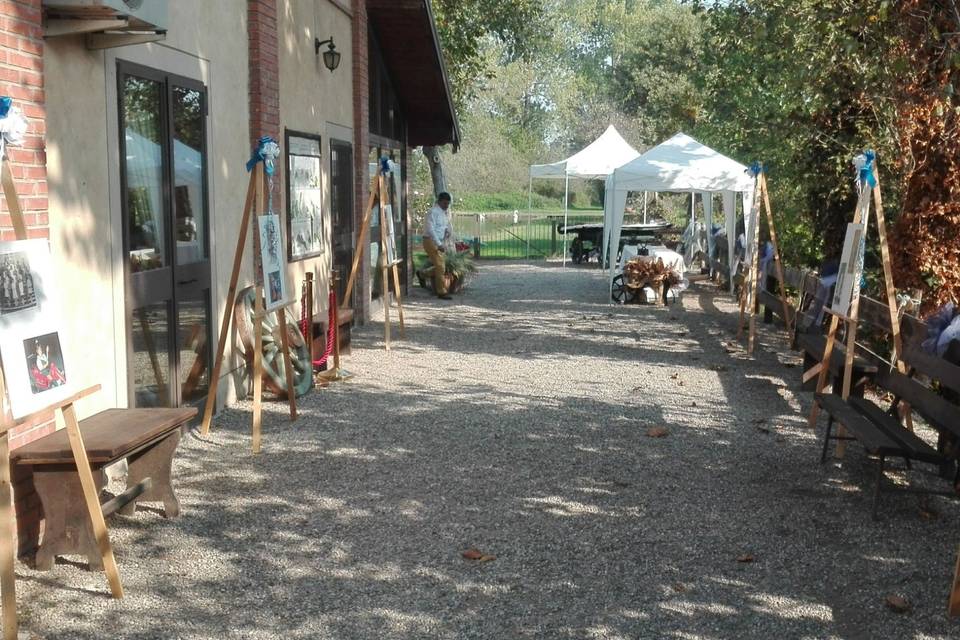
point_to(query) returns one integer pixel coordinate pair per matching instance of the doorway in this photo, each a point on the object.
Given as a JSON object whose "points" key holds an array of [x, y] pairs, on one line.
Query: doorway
{"points": [[163, 182], [341, 203]]}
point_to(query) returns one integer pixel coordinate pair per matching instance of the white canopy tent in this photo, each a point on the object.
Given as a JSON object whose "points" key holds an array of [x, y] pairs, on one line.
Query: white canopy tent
{"points": [[680, 164], [596, 160]]}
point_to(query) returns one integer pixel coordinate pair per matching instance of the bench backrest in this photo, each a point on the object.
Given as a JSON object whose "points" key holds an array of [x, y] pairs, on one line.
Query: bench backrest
{"points": [[937, 410]]}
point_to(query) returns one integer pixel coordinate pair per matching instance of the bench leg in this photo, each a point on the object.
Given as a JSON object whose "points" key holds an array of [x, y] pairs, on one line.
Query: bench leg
{"points": [[826, 440], [155, 463], [876, 492], [67, 529]]}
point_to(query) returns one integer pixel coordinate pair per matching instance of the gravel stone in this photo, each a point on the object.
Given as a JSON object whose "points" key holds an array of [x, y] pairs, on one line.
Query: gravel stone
{"points": [[512, 420]]}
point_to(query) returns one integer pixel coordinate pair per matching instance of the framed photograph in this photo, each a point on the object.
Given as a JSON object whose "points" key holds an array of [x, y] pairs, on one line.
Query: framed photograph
{"points": [[305, 224], [272, 261], [36, 369], [851, 268]]}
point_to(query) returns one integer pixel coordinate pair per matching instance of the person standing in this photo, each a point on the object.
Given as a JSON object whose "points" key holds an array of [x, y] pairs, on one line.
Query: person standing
{"points": [[436, 229]]}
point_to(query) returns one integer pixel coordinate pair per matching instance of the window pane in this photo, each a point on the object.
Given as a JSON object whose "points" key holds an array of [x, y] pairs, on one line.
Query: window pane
{"points": [[150, 360], [305, 218], [192, 327], [144, 173], [188, 193]]}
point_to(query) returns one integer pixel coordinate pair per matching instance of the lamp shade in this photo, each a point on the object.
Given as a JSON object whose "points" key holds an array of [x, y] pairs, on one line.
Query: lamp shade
{"points": [[331, 58]]}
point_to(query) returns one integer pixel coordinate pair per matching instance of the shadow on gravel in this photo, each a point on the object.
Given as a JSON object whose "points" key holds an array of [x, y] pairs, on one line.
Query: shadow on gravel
{"points": [[352, 521]]}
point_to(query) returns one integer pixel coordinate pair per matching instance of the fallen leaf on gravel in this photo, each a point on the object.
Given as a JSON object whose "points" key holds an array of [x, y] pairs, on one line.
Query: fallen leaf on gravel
{"points": [[693, 404], [479, 556], [745, 557], [898, 603], [674, 376], [928, 513], [656, 432], [679, 587]]}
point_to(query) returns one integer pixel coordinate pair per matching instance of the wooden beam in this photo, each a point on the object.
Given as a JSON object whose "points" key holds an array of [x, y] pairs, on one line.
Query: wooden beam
{"points": [[91, 497]]}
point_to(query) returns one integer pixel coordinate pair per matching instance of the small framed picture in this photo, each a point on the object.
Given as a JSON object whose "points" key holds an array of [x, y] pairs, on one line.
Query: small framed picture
{"points": [[36, 369]]}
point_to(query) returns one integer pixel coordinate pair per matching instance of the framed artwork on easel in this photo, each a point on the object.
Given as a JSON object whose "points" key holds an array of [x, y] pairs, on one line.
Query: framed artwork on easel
{"points": [[30, 337]]}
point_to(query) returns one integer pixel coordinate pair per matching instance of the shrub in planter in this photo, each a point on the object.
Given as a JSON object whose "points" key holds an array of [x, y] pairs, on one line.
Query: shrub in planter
{"points": [[458, 267]]}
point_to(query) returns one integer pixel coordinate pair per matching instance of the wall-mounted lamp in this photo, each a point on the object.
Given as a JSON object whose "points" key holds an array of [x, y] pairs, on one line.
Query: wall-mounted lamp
{"points": [[331, 57]]}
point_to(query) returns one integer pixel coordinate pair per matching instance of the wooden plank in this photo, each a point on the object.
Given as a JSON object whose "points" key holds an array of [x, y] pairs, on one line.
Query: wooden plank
{"points": [[939, 369], [776, 259], [824, 370], [261, 200], [364, 229], [13, 202], [7, 552], [953, 608], [46, 414], [92, 500], [888, 275], [108, 435], [287, 364], [123, 499], [228, 310], [384, 282]]}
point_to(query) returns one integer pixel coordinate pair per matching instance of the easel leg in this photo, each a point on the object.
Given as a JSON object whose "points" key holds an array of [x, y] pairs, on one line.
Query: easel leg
{"points": [[287, 364], [954, 606], [92, 499], [257, 368], [228, 310], [754, 288], [788, 321], [824, 370], [396, 292], [364, 228], [7, 553]]}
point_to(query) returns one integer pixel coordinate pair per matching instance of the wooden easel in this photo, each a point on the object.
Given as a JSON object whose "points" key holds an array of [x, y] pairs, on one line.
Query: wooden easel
{"points": [[861, 214], [8, 594], [748, 294], [256, 196], [379, 194]]}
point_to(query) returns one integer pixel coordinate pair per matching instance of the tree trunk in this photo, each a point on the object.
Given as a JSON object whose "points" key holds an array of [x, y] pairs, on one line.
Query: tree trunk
{"points": [[432, 154]]}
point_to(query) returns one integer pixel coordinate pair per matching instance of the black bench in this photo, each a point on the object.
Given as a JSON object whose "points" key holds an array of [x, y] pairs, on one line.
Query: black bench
{"points": [[880, 431]]}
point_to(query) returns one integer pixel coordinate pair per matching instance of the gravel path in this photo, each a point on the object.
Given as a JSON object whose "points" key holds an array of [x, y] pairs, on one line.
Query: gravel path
{"points": [[513, 420]]}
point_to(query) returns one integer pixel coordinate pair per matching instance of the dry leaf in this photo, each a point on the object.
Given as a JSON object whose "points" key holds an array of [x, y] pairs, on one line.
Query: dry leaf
{"points": [[486, 558], [898, 603], [656, 432], [472, 554], [674, 376], [745, 557], [693, 404], [679, 587]]}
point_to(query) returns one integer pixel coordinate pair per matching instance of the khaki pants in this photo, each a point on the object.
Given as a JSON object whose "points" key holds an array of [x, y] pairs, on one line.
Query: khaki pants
{"points": [[439, 267]]}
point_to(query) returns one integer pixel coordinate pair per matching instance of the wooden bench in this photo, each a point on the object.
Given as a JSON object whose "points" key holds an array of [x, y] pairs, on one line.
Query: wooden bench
{"points": [[146, 438], [880, 431]]}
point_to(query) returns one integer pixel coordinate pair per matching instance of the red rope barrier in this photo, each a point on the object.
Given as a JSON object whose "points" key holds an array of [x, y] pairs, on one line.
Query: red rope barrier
{"points": [[331, 326]]}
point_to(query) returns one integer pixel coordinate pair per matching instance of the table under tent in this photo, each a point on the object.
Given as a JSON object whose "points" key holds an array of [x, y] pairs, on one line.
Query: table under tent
{"points": [[595, 161], [680, 164]]}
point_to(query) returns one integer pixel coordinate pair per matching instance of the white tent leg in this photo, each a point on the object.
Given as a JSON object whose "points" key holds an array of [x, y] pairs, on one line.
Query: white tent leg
{"points": [[566, 197], [529, 212]]}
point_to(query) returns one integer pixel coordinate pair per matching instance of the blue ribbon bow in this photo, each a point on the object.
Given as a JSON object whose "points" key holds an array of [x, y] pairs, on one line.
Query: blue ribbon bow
{"points": [[866, 171], [267, 151], [756, 168], [384, 165], [5, 103]]}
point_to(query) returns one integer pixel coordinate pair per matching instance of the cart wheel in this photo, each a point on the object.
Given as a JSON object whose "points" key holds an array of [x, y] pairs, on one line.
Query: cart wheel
{"points": [[274, 373], [620, 291]]}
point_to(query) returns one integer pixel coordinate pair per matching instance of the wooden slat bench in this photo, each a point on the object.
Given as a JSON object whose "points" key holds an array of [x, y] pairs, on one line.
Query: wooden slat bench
{"points": [[146, 438], [880, 431]]}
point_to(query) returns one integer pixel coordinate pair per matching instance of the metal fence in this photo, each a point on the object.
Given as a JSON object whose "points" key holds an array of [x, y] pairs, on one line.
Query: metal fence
{"points": [[521, 235]]}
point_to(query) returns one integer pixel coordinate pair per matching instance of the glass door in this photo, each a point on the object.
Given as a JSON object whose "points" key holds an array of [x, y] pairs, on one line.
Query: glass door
{"points": [[165, 227], [341, 203]]}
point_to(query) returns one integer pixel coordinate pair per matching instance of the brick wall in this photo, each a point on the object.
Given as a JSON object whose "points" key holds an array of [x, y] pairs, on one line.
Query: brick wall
{"points": [[264, 75], [361, 149], [21, 78]]}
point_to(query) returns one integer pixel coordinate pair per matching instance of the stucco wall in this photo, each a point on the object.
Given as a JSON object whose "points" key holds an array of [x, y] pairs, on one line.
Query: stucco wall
{"points": [[315, 100], [205, 41]]}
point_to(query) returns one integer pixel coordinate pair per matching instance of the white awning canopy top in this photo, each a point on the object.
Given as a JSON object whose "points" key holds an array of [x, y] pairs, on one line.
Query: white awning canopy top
{"points": [[596, 160]]}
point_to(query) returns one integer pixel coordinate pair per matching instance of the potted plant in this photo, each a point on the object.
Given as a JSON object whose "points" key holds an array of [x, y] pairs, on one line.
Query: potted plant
{"points": [[458, 266]]}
